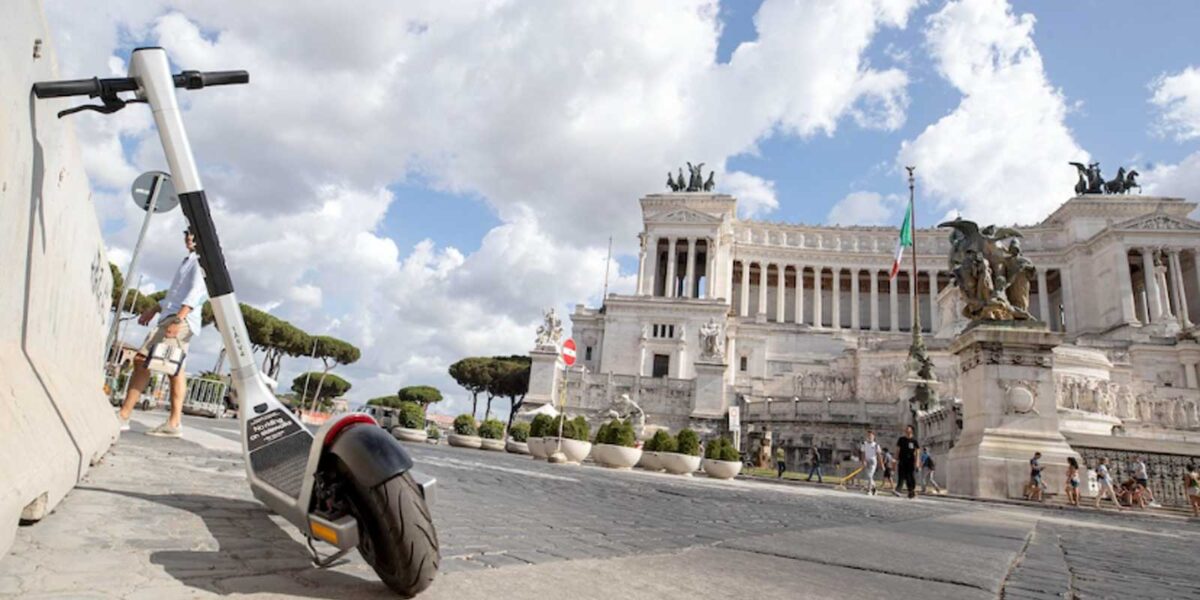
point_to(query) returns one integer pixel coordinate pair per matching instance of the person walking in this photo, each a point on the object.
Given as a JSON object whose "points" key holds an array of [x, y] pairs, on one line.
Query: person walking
{"points": [[1142, 477], [906, 461], [814, 464], [889, 468], [1033, 491], [780, 462], [927, 470], [181, 322], [1191, 487], [1072, 488], [1106, 484], [869, 454]]}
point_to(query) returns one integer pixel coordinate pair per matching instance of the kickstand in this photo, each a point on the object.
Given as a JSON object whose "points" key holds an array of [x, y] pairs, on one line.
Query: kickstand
{"points": [[324, 562]]}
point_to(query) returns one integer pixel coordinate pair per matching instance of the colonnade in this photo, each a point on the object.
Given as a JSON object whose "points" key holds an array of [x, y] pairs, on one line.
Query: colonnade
{"points": [[1160, 294], [688, 275], [818, 295]]}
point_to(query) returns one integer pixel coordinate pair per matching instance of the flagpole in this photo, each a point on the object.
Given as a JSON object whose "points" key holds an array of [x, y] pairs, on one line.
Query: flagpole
{"points": [[922, 366], [912, 224]]}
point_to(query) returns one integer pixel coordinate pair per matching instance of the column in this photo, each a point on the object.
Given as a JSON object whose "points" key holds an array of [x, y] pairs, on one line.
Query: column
{"points": [[689, 271], [1043, 297], [1125, 299], [762, 288], [835, 297], [1196, 265], [854, 307], [1152, 296], [817, 308], [894, 303], [710, 269], [874, 300], [1068, 300], [933, 294], [641, 278], [1181, 308], [780, 294], [672, 258], [800, 294], [1189, 372], [745, 308]]}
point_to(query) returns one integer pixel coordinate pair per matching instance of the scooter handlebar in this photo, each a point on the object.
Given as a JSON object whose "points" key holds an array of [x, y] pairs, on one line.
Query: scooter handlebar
{"points": [[192, 80]]}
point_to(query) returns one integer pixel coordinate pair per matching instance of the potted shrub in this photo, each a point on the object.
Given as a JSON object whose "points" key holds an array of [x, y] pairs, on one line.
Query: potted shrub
{"points": [[652, 451], [491, 434], [721, 459], [686, 457], [465, 433], [432, 434], [518, 436], [539, 428], [616, 445], [575, 435], [411, 426]]}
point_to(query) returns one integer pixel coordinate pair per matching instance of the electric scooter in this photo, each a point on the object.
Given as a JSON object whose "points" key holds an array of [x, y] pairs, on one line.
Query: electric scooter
{"points": [[352, 484]]}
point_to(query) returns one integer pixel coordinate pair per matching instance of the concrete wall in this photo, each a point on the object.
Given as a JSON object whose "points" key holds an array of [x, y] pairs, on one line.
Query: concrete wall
{"points": [[54, 288]]}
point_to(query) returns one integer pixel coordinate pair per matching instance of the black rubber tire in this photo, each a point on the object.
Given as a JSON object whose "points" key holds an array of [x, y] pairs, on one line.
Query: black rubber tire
{"points": [[396, 534]]}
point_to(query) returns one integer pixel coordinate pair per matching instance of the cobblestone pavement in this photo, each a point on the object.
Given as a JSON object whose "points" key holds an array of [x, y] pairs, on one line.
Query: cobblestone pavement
{"points": [[174, 519]]}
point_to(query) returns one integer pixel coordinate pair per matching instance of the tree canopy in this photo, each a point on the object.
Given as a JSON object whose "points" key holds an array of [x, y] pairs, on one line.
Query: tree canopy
{"points": [[332, 387], [421, 394]]}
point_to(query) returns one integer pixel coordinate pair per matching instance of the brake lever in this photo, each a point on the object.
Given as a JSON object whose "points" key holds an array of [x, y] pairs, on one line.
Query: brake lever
{"points": [[111, 105]]}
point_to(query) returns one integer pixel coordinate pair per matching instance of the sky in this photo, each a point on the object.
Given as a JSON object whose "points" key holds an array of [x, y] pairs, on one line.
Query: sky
{"points": [[423, 178]]}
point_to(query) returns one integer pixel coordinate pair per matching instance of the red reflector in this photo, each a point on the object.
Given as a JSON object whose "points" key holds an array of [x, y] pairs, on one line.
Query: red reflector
{"points": [[345, 422]]}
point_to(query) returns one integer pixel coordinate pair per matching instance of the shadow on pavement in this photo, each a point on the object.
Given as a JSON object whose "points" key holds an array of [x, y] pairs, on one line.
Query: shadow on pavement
{"points": [[253, 554]]}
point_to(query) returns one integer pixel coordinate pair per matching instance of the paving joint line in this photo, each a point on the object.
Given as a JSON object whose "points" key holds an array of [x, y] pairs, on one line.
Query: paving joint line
{"points": [[1016, 561]]}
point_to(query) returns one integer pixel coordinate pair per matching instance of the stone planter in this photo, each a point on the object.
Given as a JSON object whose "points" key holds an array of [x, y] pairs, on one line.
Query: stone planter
{"points": [[722, 469], [490, 444], [405, 434], [616, 457], [651, 461], [679, 464], [433, 440], [575, 450], [536, 447], [516, 447], [465, 441]]}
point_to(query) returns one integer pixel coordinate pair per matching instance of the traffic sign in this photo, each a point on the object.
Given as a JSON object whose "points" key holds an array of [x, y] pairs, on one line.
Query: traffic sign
{"points": [[568, 352], [144, 187]]}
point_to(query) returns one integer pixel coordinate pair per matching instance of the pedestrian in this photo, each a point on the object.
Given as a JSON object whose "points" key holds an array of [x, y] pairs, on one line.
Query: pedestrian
{"points": [[869, 453], [906, 460], [1072, 488], [814, 464], [780, 463], [1142, 477], [1191, 486], [927, 469], [1033, 491], [1104, 479], [889, 466], [181, 322]]}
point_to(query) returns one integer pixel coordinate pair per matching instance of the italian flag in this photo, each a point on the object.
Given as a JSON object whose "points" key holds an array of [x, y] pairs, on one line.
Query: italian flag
{"points": [[905, 239]]}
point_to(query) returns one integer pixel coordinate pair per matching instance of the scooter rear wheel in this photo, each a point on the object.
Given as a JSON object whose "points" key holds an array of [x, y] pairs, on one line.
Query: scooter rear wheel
{"points": [[396, 534]]}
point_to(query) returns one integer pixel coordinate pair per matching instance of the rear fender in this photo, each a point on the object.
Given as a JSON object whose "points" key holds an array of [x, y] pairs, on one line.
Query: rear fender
{"points": [[371, 453]]}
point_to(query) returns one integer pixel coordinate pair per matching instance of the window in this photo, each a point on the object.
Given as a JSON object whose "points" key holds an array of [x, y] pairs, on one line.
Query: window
{"points": [[662, 330], [743, 363], [662, 365], [587, 353]]}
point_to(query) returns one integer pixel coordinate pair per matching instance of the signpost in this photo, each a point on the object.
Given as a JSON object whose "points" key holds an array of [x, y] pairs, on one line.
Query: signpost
{"points": [[152, 192], [735, 426], [567, 358]]}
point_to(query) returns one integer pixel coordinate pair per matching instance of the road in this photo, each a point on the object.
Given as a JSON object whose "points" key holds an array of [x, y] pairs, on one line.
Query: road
{"points": [[173, 518]]}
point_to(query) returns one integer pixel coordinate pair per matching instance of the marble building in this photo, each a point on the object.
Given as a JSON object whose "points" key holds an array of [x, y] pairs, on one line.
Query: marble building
{"points": [[815, 335]]}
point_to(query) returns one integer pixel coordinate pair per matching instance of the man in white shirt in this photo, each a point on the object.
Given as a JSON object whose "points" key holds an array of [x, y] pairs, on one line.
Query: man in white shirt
{"points": [[181, 322], [869, 452]]}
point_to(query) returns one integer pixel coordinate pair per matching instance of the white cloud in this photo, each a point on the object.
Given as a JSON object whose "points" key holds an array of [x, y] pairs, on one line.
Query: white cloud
{"points": [[1181, 180], [1001, 155], [1178, 97], [558, 115], [866, 208]]}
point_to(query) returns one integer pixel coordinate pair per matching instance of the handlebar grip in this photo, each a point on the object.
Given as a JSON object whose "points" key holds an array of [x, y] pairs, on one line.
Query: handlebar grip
{"points": [[83, 87], [73, 87], [194, 80]]}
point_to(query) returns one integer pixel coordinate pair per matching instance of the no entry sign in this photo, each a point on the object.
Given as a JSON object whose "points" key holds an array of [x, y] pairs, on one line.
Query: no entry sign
{"points": [[568, 352]]}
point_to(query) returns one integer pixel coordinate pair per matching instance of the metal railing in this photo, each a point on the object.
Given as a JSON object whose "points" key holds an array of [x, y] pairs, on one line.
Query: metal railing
{"points": [[205, 397]]}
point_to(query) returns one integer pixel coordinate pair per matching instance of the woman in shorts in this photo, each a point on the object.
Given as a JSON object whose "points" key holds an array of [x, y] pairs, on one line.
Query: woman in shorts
{"points": [[1191, 485], [1104, 478], [1072, 481]]}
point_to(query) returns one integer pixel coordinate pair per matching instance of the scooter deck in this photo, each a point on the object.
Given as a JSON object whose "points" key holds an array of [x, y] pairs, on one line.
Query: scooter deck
{"points": [[279, 445]]}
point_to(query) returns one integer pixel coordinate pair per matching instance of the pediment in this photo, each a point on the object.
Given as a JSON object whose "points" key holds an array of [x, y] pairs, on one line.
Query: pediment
{"points": [[1158, 222], [684, 215]]}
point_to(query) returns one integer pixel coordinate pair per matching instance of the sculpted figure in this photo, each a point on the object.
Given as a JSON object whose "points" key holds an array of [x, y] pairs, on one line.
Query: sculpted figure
{"points": [[710, 183], [623, 408], [674, 187], [1018, 272], [711, 342], [550, 331], [993, 281]]}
